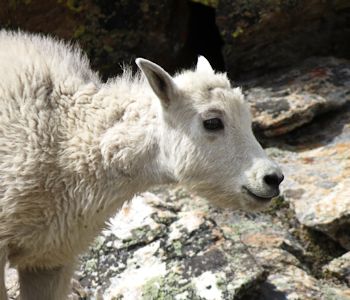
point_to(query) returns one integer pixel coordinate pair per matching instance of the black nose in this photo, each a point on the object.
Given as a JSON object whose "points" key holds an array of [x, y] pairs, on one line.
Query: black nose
{"points": [[273, 180]]}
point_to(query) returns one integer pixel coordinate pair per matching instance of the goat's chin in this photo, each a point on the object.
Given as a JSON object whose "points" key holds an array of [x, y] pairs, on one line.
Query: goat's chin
{"points": [[225, 203], [233, 200], [252, 205], [220, 200], [236, 202]]}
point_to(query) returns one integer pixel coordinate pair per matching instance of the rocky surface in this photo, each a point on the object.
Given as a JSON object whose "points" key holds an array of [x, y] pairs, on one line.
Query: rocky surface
{"points": [[317, 186], [263, 35], [112, 33], [200, 253], [189, 258], [258, 35], [284, 100], [316, 162], [339, 267]]}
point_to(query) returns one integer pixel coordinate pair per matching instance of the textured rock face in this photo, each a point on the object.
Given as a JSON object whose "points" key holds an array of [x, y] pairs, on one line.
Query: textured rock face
{"points": [[262, 35], [259, 35], [316, 161], [316, 164], [200, 253], [190, 258], [111, 32], [288, 99], [339, 267], [318, 187]]}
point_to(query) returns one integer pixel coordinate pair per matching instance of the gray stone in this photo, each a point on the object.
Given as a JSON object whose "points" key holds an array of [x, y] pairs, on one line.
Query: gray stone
{"points": [[264, 35], [199, 253], [291, 283], [339, 267], [192, 260], [203, 254], [11, 281], [317, 186], [285, 100]]}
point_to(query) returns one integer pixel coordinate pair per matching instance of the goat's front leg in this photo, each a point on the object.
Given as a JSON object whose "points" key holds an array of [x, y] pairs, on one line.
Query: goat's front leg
{"points": [[3, 260], [45, 284]]}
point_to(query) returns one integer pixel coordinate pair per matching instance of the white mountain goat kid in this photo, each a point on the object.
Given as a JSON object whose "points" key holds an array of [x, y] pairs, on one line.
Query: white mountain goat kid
{"points": [[73, 149]]}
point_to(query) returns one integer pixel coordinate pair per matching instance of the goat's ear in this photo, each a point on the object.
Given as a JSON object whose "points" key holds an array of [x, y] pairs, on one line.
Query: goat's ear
{"points": [[203, 65], [160, 81]]}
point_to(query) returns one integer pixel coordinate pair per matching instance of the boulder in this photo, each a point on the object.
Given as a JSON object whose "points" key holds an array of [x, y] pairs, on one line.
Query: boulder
{"points": [[295, 283], [339, 267], [11, 281], [112, 33], [264, 35], [200, 253], [317, 180], [169, 244], [285, 100], [190, 258]]}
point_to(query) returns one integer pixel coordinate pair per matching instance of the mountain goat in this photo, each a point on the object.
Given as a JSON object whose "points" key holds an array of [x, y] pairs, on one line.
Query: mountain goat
{"points": [[73, 149]]}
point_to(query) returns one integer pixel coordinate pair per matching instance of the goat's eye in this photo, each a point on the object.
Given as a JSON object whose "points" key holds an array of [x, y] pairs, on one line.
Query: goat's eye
{"points": [[214, 124]]}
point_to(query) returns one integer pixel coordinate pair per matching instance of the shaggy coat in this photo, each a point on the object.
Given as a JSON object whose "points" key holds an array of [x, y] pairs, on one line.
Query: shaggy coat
{"points": [[73, 149]]}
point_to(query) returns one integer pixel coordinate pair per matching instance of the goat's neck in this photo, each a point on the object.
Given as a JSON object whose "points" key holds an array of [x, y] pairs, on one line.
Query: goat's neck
{"points": [[131, 145]]}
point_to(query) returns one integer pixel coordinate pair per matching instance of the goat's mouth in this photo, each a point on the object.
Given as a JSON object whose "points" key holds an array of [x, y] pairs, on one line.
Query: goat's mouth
{"points": [[256, 197]]}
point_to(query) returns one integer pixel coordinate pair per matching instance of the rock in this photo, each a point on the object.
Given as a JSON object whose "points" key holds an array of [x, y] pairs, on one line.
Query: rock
{"points": [[272, 246], [139, 222], [337, 293], [290, 283], [11, 281], [317, 179], [285, 100], [192, 259], [339, 267], [199, 253], [211, 3], [202, 254], [263, 35], [259, 35], [141, 267], [112, 33], [294, 283]]}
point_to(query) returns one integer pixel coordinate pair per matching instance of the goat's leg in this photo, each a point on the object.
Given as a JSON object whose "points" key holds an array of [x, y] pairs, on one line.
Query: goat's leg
{"points": [[45, 284], [3, 260]]}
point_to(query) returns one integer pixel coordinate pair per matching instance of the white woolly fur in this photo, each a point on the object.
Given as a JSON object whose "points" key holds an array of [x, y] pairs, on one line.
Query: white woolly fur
{"points": [[73, 149]]}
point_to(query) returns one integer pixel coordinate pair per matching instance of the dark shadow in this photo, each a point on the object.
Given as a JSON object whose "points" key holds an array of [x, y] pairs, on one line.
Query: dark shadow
{"points": [[324, 129], [269, 292], [203, 38]]}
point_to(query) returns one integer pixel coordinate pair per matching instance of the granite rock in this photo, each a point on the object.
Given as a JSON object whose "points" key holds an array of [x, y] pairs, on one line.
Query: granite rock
{"points": [[192, 259], [170, 244], [339, 267], [203, 253], [317, 179], [285, 100], [264, 35], [112, 33], [11, 281]]}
